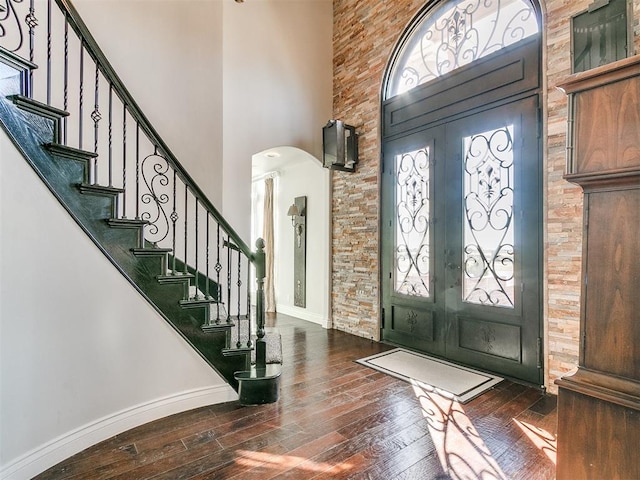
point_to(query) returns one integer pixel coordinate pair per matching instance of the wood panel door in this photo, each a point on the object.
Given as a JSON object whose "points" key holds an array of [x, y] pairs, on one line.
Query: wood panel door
{"points": [[461, 243]]}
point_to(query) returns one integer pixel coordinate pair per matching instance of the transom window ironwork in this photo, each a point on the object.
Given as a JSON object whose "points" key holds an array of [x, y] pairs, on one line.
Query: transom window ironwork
{"points": [[455, 34], [412, 223]]}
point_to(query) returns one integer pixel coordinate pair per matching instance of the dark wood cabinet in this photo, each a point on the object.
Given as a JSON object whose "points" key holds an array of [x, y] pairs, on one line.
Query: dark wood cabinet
{"points": [[599, 405]]}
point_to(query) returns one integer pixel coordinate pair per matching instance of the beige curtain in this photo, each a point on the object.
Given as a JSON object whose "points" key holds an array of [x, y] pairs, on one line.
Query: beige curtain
{"points": [[267, 235]]}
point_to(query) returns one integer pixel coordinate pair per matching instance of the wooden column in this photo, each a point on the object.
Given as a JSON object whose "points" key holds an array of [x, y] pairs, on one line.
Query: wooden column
{"points": [[599, 405]]}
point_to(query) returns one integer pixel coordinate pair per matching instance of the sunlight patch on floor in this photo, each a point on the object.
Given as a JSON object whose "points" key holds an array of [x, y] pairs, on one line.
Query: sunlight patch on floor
{"points": [[285, 462], [542, 439], [461, 451]]}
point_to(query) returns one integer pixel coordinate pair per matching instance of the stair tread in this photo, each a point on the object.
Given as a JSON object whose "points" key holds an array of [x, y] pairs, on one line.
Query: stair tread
{"points": [[34, 106], [213, 327], [99, 189], [16, 61], [126, 222], [177, 276], [193, 302], [149, 252], [236, 350], [69, 152]]}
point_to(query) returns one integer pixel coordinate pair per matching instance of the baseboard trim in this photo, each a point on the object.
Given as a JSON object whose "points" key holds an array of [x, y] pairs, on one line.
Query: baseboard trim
{"points": [[303, 314], [53, 452]]}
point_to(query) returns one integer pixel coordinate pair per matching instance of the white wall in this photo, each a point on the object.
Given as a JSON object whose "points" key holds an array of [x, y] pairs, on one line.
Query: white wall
{"points": [[82, 355], [277, 83]]}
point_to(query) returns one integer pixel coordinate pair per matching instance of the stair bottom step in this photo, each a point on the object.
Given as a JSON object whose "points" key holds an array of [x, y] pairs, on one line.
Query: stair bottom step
{"points": [[259, 386]]}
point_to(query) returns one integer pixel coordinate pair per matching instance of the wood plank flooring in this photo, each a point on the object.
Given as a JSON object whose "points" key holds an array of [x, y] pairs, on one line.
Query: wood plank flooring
{"points": [[336, 419]]}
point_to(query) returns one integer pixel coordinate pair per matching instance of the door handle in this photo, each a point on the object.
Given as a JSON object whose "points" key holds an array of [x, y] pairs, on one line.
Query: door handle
{"points": [[452, 266]]}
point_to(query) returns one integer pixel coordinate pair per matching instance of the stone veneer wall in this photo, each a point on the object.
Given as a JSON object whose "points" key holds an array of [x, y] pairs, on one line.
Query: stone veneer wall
{"points": [[365, 33]]}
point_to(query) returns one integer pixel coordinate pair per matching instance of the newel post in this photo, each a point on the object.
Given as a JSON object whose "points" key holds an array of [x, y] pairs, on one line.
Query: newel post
{"points": [[261, 344]]}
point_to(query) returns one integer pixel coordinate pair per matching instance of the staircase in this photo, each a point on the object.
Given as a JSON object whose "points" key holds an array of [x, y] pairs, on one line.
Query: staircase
{"points": [[146, 214]]}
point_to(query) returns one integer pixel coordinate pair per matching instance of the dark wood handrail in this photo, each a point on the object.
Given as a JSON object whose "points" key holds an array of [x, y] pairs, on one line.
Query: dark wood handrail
{"points": [[81, 29]]}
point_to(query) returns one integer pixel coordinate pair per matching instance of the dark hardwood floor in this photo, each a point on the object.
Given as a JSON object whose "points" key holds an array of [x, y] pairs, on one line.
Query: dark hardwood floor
{"points": [[336, 419]]}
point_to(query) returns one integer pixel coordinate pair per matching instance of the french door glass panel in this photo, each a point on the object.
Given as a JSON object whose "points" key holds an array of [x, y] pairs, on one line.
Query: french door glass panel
{"points": [[413, 211], [488, 219]]}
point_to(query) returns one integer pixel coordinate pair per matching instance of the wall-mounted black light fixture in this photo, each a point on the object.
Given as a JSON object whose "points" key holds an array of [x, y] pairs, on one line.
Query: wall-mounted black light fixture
{"points": [[339, 146]]}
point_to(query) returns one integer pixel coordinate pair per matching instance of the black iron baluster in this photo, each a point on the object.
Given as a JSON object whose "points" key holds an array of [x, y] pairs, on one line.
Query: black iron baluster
{"points": [[124, 160], [239, 283], [174, 219], [31, 22], [48, 52], [186, 224], [218, 267], [228, 280], [197, 294], [249, 342], [65, 87], [80, 105], [110, 134], [137, 170], [207, 293], [238, 343], [95, 116]]}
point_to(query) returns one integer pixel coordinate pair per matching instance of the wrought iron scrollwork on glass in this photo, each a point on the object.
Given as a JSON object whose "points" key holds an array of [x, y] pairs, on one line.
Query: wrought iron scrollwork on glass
{"points": [[457, 33], [155, 175], [412, 256], [488, 218]]}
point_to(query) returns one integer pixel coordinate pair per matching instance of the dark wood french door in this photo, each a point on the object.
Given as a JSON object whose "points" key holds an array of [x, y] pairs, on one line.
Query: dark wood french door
{"points": [[461, 218]]}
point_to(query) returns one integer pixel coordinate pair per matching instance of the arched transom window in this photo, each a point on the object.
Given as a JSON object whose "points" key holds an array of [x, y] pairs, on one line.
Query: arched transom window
{"points": [[456, 33]]}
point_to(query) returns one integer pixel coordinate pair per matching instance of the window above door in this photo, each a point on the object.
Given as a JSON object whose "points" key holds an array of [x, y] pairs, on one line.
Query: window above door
{"points": [[454, 34]]}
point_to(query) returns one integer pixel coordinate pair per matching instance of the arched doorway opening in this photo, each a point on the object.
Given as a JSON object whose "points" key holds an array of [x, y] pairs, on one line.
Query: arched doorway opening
{"points": [[295, 173], [461, 187]]}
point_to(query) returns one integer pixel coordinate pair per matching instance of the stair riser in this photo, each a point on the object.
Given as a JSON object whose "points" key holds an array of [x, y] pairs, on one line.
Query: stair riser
{"points": [[183, 284], [152, 266], [126, 239]]}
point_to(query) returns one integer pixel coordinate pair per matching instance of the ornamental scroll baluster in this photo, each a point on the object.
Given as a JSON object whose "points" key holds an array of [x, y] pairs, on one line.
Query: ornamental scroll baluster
{"points": [[218, 268], [154, 170], [9, 19]]}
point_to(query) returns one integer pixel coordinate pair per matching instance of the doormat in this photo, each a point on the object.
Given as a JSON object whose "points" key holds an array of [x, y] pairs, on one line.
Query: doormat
{"points": [[448, 379]]}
